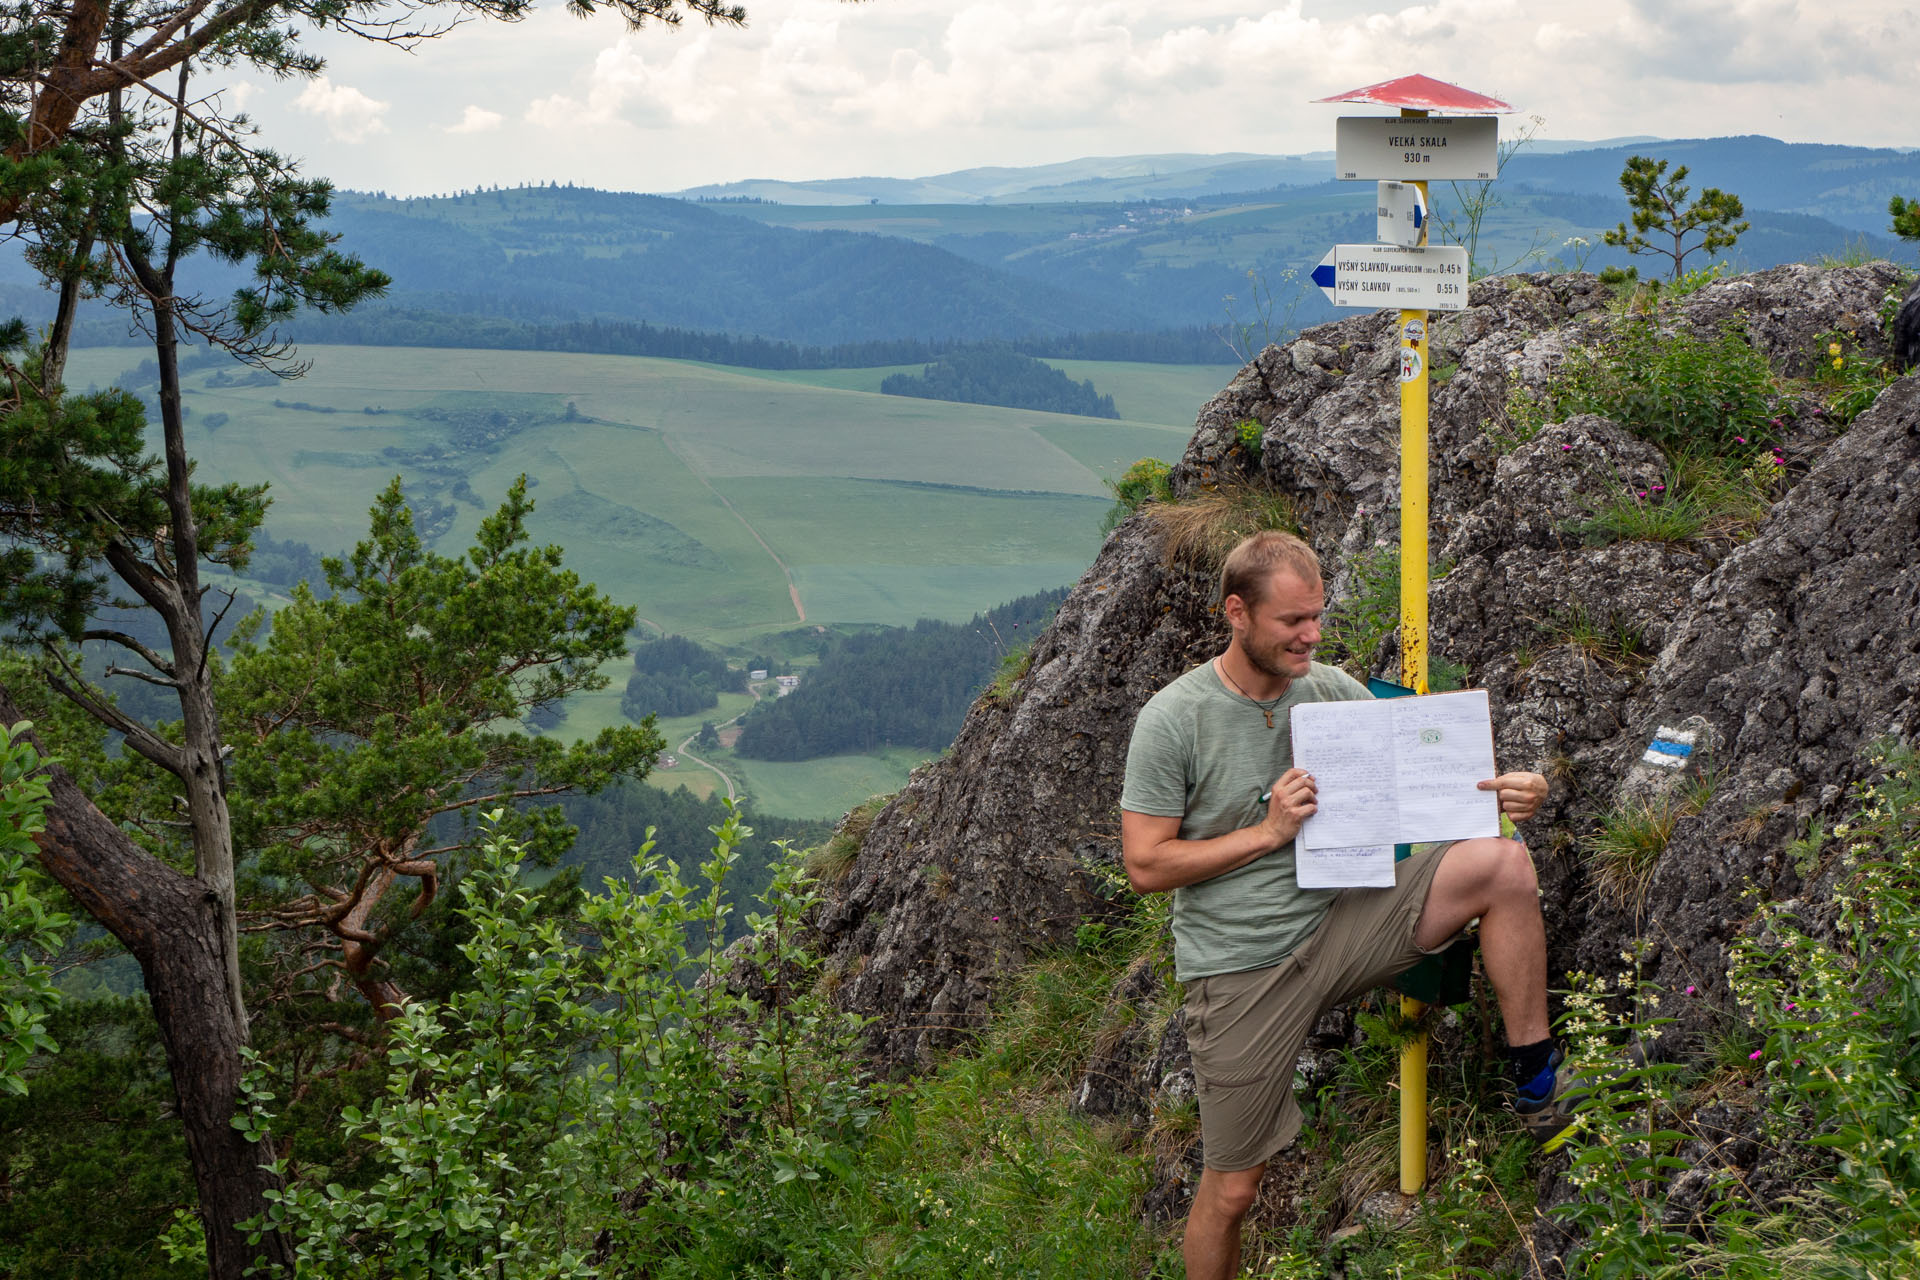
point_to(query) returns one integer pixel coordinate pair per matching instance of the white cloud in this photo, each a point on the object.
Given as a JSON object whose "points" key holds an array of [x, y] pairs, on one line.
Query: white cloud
{"points": [[476, 119], [820, 88], [625, 85], [351, 115]]}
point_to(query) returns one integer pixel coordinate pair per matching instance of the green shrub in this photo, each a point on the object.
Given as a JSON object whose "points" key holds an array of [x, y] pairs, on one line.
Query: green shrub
{"points": [[1147, 479], [1678, 392], [577, 1101], [1251, 434], [1852, 381], [30, 933], [1355, 627]]}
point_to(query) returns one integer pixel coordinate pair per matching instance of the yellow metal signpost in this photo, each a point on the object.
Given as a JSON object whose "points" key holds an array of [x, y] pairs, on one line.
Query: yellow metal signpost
{"points": [[1413, 671], [1408, 155]]}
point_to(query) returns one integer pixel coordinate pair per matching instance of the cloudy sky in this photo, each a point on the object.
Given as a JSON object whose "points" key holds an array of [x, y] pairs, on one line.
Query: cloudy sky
{"points": [[824, 88]]}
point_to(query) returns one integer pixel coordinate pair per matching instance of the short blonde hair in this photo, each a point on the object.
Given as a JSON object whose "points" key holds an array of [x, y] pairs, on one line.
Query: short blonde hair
{"points": [[1251, 565]]}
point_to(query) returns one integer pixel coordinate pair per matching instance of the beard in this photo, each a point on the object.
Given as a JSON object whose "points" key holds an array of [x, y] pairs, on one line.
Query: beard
{"points": [[1276, 660]]}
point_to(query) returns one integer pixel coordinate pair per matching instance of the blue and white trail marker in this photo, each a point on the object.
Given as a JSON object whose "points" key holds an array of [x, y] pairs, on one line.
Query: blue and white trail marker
{"points": [[1402, 214]]}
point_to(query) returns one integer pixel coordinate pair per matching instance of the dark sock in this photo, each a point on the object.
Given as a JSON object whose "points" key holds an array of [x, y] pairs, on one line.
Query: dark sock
{"points": [[1530, 1065]]}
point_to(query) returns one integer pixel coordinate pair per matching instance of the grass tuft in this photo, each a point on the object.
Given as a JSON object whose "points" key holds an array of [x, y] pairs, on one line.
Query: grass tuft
{"points": [[1014, 665], [831, 862], [1199, 531], [1626, 848]]}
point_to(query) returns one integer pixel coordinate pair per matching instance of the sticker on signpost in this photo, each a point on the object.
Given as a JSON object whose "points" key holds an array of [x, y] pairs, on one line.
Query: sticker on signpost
{"points": [[1414, 330], [1409, 364]]}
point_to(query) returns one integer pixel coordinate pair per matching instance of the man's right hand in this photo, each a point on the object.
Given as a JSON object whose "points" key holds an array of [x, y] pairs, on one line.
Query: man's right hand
{"points": [[1157, 859], [1293, 800]]}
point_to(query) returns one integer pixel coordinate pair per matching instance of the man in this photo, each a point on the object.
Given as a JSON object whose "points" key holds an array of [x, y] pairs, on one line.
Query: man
{"points": [[1263, 958]]}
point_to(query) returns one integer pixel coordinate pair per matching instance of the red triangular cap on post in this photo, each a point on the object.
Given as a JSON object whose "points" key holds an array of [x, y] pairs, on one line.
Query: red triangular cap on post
{"points": [[1421, 93]]}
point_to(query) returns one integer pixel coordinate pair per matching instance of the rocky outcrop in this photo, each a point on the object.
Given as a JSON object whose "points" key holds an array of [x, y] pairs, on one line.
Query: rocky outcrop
{"points": [[1789, 646], [1009, 842]]}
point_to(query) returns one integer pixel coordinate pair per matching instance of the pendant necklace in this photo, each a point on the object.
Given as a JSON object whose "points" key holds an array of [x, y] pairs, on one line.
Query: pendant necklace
{"points": [[1266, 708]]}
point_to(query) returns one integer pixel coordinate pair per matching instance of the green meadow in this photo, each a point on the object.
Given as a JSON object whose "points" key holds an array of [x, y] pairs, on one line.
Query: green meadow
{"points": [[727, 505]]}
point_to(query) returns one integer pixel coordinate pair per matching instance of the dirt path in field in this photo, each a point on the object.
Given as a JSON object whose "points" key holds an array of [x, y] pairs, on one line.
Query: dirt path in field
{"points": [[792, 590]]}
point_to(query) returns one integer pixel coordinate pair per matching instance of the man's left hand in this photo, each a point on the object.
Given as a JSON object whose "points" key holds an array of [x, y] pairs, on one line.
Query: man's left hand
{"points": [[1521, 794]]}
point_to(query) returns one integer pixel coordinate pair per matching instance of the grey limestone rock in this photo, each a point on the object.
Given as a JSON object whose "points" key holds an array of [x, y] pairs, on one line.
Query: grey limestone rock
{"points": [[1795, 645]]}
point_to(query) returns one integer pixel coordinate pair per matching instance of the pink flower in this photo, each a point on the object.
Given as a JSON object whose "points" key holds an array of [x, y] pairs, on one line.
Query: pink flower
{"points": [[1692, 990], [1739, 439], [1566, 448], [1755, 1055]]}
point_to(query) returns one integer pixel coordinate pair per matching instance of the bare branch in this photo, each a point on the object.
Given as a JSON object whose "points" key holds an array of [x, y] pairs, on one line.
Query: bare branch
{"points": [[125, 641], [165, 682], [75, 688]]}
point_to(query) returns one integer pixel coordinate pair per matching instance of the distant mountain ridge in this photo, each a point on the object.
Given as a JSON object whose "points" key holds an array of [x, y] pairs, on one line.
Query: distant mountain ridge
{"points": [[1168, 176], [1009, 262]]}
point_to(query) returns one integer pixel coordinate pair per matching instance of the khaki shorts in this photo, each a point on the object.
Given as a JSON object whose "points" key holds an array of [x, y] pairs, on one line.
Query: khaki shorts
{"points": [[1246, 1030]]}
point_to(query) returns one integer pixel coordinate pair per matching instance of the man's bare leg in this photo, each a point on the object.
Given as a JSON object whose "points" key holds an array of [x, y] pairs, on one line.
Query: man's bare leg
{"points": [[1494, 880], [1220, 1204]]}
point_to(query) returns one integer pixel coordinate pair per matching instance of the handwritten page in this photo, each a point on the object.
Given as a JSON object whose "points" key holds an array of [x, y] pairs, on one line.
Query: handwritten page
{"points": [[1443, 745], [1348, 747], [1399, 771], [1365, 867]]}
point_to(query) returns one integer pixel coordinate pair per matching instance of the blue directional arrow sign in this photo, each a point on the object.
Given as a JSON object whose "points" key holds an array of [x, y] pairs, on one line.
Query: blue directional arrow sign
{"points": [[1430, 278]]}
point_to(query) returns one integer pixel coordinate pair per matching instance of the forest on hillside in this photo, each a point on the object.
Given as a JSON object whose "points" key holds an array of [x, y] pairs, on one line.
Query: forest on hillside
{"points": [[900, 686], [1001, 375]]}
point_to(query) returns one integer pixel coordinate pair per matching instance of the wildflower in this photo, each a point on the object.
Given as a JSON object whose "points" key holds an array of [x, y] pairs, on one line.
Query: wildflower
{"points": [[1692, 990], [1739, 439], [1833, 348], [1643, 493], [1566, 448], [1659, 488], [1838, 361], [1755, 1055]]}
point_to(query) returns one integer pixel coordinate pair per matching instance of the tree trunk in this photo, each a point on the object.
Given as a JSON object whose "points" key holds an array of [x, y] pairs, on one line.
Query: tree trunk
{"points": [[172, 925]]}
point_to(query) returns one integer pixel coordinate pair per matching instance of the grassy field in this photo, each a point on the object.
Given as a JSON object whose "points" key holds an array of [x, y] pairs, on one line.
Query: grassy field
{"points": [[720, 502]]}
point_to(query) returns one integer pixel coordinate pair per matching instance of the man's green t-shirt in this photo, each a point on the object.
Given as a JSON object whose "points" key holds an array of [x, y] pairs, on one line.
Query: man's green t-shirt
{"points": [[1204, 754]]}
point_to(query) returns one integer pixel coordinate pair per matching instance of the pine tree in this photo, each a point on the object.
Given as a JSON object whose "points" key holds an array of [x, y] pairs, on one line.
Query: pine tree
{"points": [[1660, 206]]}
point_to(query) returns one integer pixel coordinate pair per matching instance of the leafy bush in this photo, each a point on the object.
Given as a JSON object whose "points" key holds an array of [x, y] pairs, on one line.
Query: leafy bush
{"points": [[578, 1109], [1676, 391], [1368, 613], [1853, 381], [1251, 434], [30, 933], [1147, 479]]}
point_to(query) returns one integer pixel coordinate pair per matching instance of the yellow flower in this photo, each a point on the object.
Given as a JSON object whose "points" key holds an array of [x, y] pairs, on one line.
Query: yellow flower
{"points": [[1838, 361], [1833, 348]]}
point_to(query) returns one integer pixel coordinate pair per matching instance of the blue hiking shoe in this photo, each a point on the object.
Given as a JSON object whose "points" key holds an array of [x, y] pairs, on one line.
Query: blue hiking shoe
{"points": [[1547, 1104]]}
